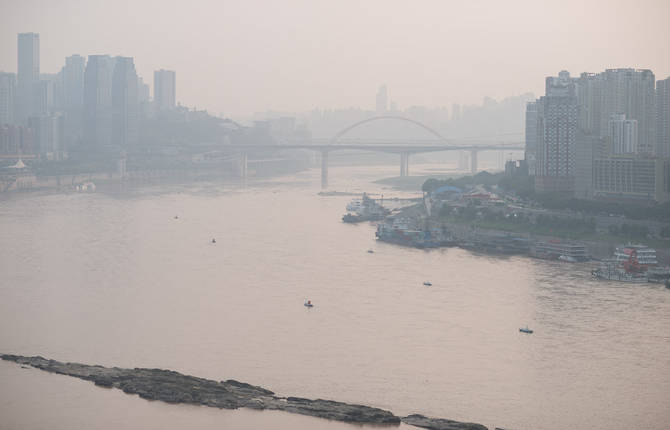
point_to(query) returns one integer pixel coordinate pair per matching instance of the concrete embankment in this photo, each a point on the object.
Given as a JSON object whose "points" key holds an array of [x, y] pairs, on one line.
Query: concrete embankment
{"points": [[173, 387]]}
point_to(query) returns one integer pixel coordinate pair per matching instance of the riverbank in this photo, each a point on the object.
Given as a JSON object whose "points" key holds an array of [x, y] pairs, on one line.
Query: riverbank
{"points": [[30, 181], [173, 387], [463, 231]]}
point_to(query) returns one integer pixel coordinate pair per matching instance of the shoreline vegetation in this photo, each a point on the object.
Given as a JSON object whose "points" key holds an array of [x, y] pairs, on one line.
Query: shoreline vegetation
{"points": [[173, 387]]}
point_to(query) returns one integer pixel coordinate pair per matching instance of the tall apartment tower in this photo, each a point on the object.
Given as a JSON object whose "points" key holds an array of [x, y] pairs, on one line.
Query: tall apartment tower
{"points": [[72, 75], [619, 91], [623, 134], [165, 91], [530, 151], [28, 75], [557, 115], [72, 101], [633, 93], [381, 102], [125, 103], [7, 97], [589, 94], [97, 118], [663, 117]]}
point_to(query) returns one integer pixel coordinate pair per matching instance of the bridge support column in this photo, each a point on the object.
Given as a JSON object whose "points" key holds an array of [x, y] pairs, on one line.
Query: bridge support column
{"points": [[473, 161], [404, 164], [244, 172], [324, 170]]}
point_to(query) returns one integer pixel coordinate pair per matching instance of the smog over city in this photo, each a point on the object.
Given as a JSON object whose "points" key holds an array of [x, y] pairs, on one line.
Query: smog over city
{"points": [[334, 215]]}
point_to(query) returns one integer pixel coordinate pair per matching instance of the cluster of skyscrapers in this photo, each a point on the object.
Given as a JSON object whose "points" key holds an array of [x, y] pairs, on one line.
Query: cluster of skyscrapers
{"points": [[90, 105], [601, 135]]}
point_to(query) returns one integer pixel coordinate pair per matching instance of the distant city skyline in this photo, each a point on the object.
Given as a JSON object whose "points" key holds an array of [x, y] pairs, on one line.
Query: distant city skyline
{"points": [[245, 57]]}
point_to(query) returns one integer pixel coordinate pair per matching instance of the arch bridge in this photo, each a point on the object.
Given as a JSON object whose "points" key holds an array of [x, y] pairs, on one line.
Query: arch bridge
{"points": [[404, 148]]}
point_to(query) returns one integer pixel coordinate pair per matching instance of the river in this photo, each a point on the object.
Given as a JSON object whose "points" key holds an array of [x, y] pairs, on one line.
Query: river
{"points": [[113, 278]]}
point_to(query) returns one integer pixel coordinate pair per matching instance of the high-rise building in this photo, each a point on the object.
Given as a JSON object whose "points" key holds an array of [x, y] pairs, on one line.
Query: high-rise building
{"points": [[623, 134], [619, 91], [43, 97], [125, 103], [28, 74], [16, 140], [7, 97], [587, 148], [72, 75], [663, 117], [556, 136], [143, 91], [165, 91], [560, 86], [633, 93], [48, 133], [72, 103], [589, 93], [97, 127], [382, 100], [530, 151], [631, 178]]}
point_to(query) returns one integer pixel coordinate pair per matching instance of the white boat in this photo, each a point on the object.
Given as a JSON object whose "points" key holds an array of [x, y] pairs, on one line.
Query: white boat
{"points": [[567, 258], [355, 205], [86, 187], [427, 283], [612, 270], [644, 255]]}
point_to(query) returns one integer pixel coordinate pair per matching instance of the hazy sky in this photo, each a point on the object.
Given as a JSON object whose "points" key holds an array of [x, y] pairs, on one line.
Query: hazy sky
{"points": [[238, 57]]}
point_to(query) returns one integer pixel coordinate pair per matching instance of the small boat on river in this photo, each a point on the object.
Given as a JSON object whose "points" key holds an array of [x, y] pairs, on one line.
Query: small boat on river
{"points": [[309, 304], [526, 330], [427, 283]]}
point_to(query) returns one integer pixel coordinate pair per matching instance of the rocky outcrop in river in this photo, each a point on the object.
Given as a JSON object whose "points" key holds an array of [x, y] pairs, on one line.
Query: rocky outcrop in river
{"points": [[174, 387], [440, 423]]}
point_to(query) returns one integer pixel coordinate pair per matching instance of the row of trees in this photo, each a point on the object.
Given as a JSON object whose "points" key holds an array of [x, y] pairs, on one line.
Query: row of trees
{"points": [[543, 224], [522, 186], [631, 231]]}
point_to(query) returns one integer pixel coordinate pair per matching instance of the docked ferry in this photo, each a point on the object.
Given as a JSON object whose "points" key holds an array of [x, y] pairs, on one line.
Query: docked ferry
{"points": [[644, 255], [612, 270], [560, 250], [365, 209], [631, 263]]}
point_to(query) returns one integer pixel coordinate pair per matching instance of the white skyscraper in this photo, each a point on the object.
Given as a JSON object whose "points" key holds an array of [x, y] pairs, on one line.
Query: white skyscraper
{"points": [[623, 134], [165, 89]]}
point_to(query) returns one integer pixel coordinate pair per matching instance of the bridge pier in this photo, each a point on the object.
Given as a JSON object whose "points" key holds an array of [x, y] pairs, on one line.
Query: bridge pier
{"points": [[244, 172], [473, 161], [404, 164], [324, 169]]}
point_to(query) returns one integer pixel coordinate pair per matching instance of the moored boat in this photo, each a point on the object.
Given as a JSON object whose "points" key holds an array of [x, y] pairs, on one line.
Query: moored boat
{"points": [[365, 209], [611, 270]]}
